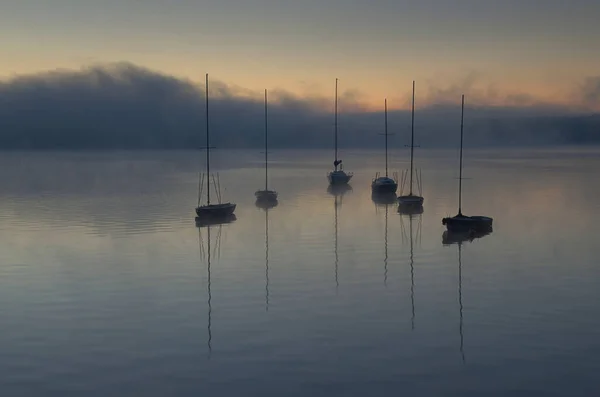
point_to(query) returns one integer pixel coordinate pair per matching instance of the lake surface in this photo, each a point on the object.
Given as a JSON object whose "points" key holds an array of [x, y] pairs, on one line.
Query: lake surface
{"points": [[106, 290]]}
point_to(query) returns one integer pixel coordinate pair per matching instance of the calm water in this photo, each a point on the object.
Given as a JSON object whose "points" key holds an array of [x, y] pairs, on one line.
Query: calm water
{"points": [[105, 287]]}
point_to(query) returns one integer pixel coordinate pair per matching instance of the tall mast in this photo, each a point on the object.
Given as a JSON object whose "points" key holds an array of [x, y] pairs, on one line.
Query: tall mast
{"points": [[207, 149], [266, 132], [386, 140], [462, 113], [412, 139], [336, 123]]}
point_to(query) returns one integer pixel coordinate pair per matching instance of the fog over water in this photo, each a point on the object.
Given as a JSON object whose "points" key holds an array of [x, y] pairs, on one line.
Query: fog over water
{"points": [[129, 107]]}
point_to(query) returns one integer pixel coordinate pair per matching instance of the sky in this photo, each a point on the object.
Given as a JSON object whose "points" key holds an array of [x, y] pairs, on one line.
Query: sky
{"points": [[501, 52]]}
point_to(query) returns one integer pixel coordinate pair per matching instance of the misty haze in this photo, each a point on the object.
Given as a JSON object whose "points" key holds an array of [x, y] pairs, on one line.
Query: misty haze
{"points": [[122, 106]]}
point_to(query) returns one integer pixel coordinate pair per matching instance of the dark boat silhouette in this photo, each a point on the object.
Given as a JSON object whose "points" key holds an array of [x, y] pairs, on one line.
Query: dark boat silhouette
{"points": [[266, 197], [411, 200], [211, 212], [338, 176], [384, 184], [462, 223]]}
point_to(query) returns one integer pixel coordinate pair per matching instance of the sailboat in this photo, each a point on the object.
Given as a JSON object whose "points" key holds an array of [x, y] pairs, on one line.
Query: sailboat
{"points": [[211, 212], [384, 184], [338, 176], [461, 223], [411, 199], [266, 196]]}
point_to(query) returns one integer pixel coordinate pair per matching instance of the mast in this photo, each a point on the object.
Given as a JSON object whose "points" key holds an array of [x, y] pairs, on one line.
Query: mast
{"points": [[386, 140], [266, 132], [207, 149], [412, 139], [336, 124], [462, 112]]}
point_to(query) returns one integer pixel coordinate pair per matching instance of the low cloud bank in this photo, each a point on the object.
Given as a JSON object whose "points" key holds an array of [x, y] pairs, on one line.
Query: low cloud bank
{"points": [[123, 106]]}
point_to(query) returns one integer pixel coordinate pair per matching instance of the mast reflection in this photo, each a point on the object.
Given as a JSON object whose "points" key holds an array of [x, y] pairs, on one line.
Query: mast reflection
{"points": [[338, 192], [384, 199], [385, 244], [206, 254], [458, 238], [411, 233], [266, 206]]}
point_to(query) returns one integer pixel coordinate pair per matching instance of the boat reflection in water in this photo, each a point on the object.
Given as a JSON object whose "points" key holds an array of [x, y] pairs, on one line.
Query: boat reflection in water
{"points": [[417, 234], [385, 245], [206, 254], [338, 192], [266, 206], [213, 221], [386, 198], [458, 238], [212, 228]]}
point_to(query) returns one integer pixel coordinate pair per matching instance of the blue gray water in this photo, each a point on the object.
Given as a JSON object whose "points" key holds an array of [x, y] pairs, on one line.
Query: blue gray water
{"points": [[105, 287]]}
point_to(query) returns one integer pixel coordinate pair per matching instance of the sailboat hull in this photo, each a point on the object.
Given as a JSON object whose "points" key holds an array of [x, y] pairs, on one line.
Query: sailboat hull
{"points": [[215, 210], [410, 201], [338, 177], [384, 185], [266, 195], [410, 209], [464, 224]]}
